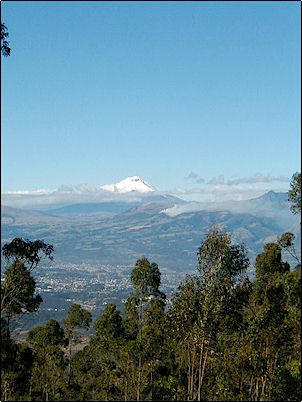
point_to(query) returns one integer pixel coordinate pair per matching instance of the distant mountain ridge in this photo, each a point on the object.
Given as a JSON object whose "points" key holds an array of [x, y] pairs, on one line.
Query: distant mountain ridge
{"points": [[144, 221], [269, 204], [152, 224]]}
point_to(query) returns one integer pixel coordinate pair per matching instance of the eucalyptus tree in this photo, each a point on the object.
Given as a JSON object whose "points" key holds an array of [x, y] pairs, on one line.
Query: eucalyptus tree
{"points": [[107, 347], [273, 328], [18, 287], [18, 295], [145, 278], [16, 378], [77, 319], [287, 242], [203, 308], [47, 379], [155, 353], [222, 266], [98, 370], [18, 292], [27, 251], [182, 317]]}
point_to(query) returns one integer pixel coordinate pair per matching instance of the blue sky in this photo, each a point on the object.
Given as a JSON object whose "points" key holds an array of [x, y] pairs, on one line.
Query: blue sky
{"points": [[191, 96]]}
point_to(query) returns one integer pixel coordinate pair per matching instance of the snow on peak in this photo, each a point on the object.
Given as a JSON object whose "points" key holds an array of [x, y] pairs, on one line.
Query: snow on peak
{"points": [[131, 183]]}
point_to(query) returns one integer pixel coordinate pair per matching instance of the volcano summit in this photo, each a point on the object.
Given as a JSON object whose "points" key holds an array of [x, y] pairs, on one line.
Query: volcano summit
{"points": [[131, 183]]}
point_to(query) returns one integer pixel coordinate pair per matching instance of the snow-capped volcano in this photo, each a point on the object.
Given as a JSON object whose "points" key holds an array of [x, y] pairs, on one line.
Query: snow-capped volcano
{"points": [[133, 183]]}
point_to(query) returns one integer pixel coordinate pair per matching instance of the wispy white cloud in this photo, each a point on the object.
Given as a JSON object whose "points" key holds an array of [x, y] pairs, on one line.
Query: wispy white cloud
{"points": [[258, 178], [220, 179], [219, 188], [64, 195], [191, 176], [194, 177], [216, 190], [216, 180], [209, 193]]}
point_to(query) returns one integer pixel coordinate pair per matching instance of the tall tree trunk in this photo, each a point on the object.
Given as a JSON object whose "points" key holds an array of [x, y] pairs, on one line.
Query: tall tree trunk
{"points": [[199, 372], [241, 384], [139, 378], [251, 388], [189, 374], [263, 380], [140, 338], [30, 385], [203, 370], [126, 383], [69, 363], [257, 388], [151, 381], [192, 373]]}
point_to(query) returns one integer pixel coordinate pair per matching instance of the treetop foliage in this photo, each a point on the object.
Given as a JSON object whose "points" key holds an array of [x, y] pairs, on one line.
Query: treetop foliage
{"points": [[294, 194], [18, 291], [145, 277], [27, 251], [5, 49], [77, 317], [218, 258], [110, 323], [49, 334], [270, 261]]}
